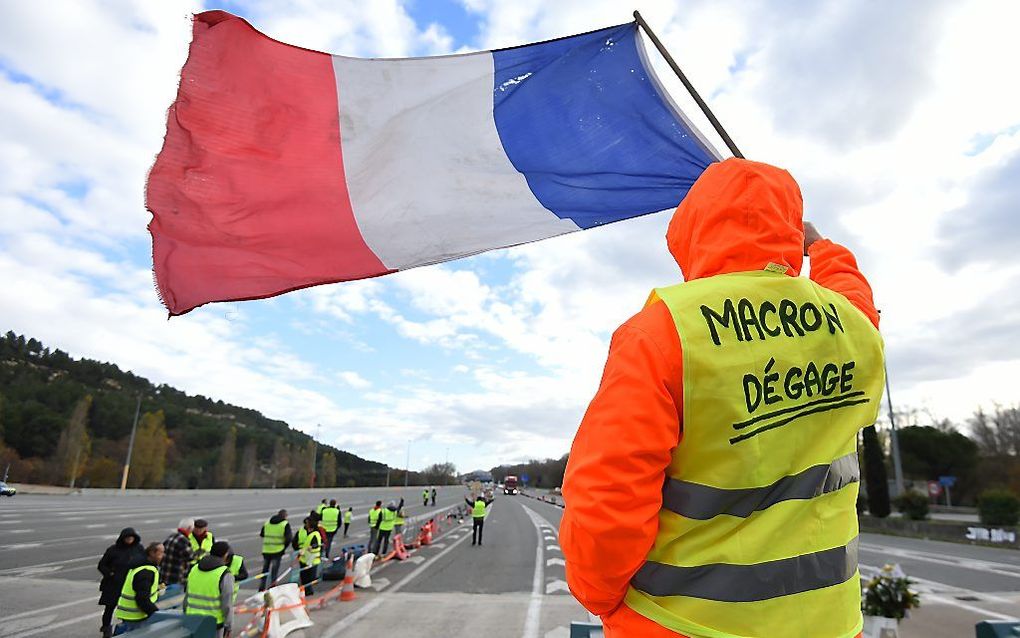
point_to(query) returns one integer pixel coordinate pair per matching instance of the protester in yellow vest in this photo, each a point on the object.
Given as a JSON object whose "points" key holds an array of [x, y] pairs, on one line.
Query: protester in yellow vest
{"points": [[711, 487], [201, 540], [235, 565], [210, 588], [276, 535], [374, 518], [141, 589], [348, 515], [330, 523], [308, 542], [387, 521], [479, 510]]}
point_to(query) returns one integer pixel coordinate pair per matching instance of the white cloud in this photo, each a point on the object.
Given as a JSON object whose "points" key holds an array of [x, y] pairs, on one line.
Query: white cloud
{"points": [[902, 132]]}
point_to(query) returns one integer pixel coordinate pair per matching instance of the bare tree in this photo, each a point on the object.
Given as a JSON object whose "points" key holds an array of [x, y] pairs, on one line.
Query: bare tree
{"points": [[74, 444], [227, 461], [328, 476], [148, 460], [248, 462]]}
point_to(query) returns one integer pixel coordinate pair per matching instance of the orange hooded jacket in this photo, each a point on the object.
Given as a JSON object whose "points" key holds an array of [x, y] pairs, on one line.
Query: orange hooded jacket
{"points": [[739, 216]]}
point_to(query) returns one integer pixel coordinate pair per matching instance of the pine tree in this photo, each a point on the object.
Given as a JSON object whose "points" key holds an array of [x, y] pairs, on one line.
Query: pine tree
{"points": [[875, 476]]}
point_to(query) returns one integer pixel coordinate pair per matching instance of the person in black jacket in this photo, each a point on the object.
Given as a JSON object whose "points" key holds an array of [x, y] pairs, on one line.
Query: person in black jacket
{"points": [[143, 583], [118, 558]]}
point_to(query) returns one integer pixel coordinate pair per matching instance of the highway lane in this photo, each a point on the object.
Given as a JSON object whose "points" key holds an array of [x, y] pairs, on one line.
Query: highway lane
{"points": [[63, 536], [48, 574]]}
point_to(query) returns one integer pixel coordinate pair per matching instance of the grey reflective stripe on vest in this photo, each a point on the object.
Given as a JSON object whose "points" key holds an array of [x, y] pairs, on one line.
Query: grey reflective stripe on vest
{"points": [[197, 601], [702, 502], [748, 583]]}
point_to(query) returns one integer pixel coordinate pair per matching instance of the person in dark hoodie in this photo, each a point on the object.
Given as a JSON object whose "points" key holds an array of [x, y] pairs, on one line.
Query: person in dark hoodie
{"points": [[276, 536], [118, 558], [210, 589], [138, 596]]}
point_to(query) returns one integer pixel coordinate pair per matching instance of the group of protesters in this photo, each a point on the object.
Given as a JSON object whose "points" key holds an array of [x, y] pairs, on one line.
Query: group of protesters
{"points": [[192, 562], [188, 561]]}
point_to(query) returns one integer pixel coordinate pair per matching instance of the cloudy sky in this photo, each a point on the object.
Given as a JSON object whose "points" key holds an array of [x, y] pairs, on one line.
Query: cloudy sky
{"points": [[901, 122]]}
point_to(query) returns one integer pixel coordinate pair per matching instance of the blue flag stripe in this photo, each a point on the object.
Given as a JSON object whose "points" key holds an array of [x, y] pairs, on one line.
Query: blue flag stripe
{"points": [[585, 121]]}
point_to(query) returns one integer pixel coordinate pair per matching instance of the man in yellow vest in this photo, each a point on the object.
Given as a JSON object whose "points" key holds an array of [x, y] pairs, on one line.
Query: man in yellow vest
{"points": [[711, 487], [479, 509], [374, 518], [387, 520], [348, 515], [425, 498], [141, 589], [201, 540], [308, 542], [210, 589], [330, 523], [321, 506], [235, 565], [276, 535]]}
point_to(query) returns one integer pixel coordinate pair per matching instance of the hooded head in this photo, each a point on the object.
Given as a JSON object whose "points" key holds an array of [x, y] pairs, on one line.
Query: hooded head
{"points": [[739, 216], [128, 536]]}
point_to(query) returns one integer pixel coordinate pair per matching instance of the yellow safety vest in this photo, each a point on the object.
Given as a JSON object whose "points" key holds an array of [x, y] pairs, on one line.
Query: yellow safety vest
{"points": [[127, 606], [373, 516], [202, 596], [198, 550], [400, 516], [235, 568], [347, 516], [320, 507], [478, 511], [389, 519], [309, 556], [273, 537], [758, 529], [330, 517]]}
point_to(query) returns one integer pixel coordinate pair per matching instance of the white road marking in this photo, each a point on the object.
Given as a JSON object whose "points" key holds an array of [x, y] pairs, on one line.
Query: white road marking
{"points": [[17, 531], [1002, 569], [534, 614], [559, 632], [43, 610], [349, 621], [553, 546], [416, 560], [380, 584], [441, 545], [555, 561], [21, 546], [930, 596], [50, 627], [556, 585]]}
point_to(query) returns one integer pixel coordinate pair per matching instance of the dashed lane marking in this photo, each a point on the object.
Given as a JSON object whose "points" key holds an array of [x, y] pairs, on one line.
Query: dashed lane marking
{"points": [[555, 561]]}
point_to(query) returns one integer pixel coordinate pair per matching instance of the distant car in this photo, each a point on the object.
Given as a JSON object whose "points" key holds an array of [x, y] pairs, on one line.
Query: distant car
{"points": [[7, 490], [510, 486]]}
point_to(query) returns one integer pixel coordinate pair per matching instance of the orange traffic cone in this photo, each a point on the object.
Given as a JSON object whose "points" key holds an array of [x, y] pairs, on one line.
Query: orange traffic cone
{"points": [[347, 591]]}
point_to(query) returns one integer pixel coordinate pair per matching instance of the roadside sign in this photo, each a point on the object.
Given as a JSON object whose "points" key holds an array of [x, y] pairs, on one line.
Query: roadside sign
{"points": [[947, 481], [934, 489], [524, 478]]}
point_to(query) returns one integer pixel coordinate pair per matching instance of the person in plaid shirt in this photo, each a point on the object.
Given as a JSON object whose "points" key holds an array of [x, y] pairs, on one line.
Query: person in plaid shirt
{"points": [[173, 571]]}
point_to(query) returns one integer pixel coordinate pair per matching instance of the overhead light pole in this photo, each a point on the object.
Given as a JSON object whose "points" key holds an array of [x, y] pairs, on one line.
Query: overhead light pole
{"points": [[897, 466], [407, 465]]}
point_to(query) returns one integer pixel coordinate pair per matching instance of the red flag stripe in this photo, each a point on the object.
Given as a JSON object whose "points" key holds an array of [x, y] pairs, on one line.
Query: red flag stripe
{"points": [[248, 195]]}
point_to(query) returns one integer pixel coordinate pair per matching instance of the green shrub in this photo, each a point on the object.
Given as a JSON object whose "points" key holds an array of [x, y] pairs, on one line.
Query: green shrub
{"points": [[914, 505], [999, 507], [888, 594]]}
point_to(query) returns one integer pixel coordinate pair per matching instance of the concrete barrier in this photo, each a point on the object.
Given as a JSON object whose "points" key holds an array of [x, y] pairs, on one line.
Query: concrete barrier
{"points": [[968, 533]]}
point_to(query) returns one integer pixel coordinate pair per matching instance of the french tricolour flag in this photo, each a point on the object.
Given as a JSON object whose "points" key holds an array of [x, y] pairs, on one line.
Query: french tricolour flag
{"points": [[284, 168]]}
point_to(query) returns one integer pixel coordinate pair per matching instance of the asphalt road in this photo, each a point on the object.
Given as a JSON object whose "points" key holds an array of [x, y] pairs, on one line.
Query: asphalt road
{"points": [[511, 586]]}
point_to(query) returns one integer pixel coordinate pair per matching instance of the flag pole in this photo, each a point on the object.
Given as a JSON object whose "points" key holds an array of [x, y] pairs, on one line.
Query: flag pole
{"points": [[690, 87]]}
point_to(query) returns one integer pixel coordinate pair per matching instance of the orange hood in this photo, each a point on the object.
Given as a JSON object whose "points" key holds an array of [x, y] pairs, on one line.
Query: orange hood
{"points": [[739, 216]]}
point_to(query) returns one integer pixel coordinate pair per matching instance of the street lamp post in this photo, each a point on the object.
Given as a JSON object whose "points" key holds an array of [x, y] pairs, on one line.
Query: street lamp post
{"points": [[131, 445], [897, 466], [407, 465]]}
